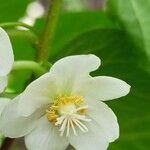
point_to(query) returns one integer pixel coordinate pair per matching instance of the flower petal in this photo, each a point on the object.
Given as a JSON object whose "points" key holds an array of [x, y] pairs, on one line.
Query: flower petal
{"points": [[103, 88], [6, 53], [94, 139], [12, 124], [62, 75], [72, 69], [104, 116], [45, 137], [38, 94], [3, 103], [3, 83]]}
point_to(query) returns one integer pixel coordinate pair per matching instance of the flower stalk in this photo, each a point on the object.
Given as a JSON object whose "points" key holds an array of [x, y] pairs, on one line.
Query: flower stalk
{"points": [[7, 144], [30, 32], [45, 42], [29, 65], [16, 24]]}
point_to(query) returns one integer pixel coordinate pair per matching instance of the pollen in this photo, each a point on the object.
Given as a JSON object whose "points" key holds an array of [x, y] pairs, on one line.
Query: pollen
{"points": [[64, 100], [68, 112], [51, 116]]}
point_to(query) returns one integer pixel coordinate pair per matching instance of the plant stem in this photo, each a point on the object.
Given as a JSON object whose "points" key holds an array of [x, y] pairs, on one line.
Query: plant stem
{"points": [[45, 42], [30, 33], [21, 34], [7, 144], [16, 24], [29, 65]]}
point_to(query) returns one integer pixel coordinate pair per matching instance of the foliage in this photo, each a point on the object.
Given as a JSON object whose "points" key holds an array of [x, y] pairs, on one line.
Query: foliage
{"points": [[12, 10]]}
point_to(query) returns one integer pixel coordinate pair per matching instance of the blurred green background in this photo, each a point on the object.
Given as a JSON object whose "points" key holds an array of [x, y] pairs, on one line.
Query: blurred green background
{"points": [[118, 31]]}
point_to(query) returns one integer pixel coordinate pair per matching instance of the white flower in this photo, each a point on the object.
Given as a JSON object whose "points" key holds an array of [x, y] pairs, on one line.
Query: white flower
{"points": [[65, 106], [3, 103], [6, 58], [6, 62]]}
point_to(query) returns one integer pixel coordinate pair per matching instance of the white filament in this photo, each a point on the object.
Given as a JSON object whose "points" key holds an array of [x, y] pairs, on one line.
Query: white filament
{"points": [[69, 121]]}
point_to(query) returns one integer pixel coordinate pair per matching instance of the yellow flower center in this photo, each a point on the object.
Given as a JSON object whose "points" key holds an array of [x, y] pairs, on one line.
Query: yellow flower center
{"points": [[68, 111]]}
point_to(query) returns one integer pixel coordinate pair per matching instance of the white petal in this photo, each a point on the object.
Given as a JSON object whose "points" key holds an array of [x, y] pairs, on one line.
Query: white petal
{"points": [[38, 94], [45, 137], [94, 139], [104, 116], [12, 124], [3, 83], [103, 88], [6, 53], [71, 69], [60, 79], [3, 103]]}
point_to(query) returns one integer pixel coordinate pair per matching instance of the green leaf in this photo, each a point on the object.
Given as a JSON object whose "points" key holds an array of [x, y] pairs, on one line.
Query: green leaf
{"points": [[133, 16], [72, 24], [119, 60], [12, 10]]}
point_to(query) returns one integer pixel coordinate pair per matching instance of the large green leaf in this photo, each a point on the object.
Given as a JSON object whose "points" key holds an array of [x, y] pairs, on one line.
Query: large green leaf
{"points": [[133, 16], [120, 60], [72, 24], [12, 10]]}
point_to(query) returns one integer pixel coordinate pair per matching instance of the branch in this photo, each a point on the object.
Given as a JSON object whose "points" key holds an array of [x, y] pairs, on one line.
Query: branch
{"points": [[45, 42], [29, 65]]}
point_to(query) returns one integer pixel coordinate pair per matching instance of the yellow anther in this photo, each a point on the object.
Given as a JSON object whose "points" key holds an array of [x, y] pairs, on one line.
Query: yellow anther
{"points": [[63, 100], [51, 116], [82, 111], [63, 104]]}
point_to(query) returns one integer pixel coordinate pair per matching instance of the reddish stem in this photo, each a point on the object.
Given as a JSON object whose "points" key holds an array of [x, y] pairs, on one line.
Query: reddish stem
{"points": [[7, 144]]}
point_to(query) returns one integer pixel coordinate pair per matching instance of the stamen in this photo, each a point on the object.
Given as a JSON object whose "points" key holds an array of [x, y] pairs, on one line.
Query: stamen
{"points": [[63, 127], [81, 117], [68, 127], [80, 127], [73, 128], [82, 124], [83, 107], [68, 112], [60, 120]]}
